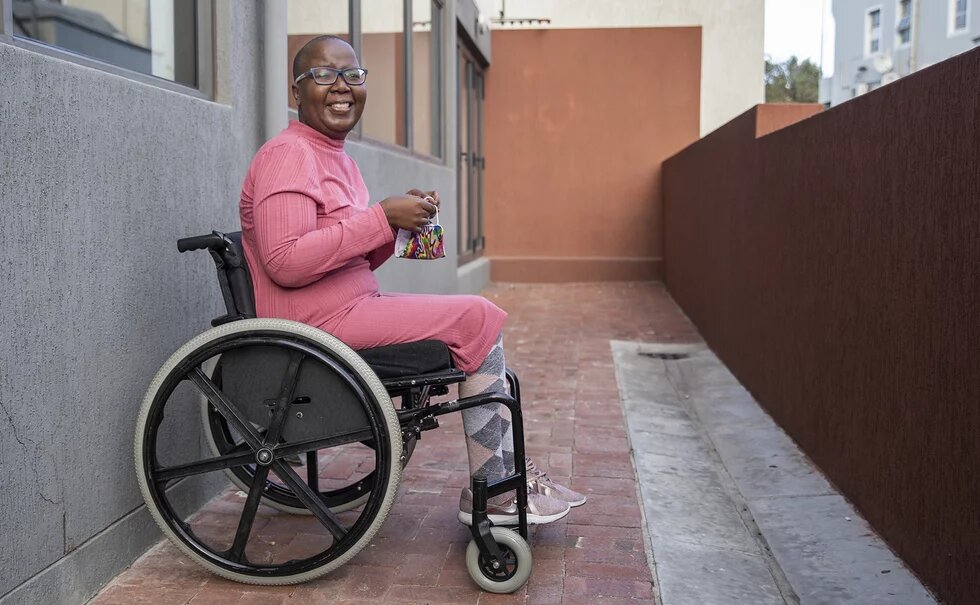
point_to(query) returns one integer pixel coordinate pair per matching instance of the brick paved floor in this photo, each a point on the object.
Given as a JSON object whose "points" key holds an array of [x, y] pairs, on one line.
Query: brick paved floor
{"points": [[557, 339]]}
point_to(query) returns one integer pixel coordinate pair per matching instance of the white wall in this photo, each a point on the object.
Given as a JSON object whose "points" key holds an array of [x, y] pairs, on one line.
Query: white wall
{"points": [[732, 40], [317, 17]]}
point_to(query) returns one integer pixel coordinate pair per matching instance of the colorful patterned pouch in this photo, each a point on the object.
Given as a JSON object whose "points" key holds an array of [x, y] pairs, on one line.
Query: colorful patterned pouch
{"points": [[426, 244]]}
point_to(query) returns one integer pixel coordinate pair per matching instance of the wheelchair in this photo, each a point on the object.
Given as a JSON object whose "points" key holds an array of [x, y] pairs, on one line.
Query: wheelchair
{"points": [[252, 401]]}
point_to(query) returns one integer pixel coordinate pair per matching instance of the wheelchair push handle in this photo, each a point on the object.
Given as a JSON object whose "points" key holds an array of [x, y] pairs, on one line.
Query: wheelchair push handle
{"points": [[211, 241]]}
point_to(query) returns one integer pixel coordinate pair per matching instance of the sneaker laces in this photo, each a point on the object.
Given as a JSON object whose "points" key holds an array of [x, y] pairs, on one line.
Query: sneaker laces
{"points": [[535, 474]]}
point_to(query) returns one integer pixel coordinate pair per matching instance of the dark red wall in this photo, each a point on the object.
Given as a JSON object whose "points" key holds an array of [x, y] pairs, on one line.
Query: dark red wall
{"points": [[834, 265]]}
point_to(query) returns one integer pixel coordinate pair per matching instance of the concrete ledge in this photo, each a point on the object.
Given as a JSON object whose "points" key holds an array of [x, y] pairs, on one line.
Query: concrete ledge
{"points": [[549, 269], [735, 512], [473, 277], [79, 575]]}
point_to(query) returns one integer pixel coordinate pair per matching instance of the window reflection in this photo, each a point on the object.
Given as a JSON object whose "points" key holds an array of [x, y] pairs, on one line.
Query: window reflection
{"points": [[383, 53], [426, 67], [156, 37]]}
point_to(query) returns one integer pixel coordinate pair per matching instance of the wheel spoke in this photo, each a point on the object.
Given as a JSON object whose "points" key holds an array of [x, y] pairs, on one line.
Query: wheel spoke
{"points": [[289, 449], [225, 407], [237, 550], [313, 471], [285, 398], [311, 499], [238, 456]]}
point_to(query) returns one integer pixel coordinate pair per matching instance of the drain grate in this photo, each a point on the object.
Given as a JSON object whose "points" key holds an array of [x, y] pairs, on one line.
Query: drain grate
{"points": [[667, 356]]}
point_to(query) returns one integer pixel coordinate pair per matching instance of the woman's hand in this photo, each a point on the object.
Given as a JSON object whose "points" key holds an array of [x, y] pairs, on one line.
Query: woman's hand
{"points": [[429, 196], [408, 212]]}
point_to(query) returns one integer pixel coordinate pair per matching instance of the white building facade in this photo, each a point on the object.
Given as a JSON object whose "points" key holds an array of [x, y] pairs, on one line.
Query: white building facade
{"points": [[879, 41]]}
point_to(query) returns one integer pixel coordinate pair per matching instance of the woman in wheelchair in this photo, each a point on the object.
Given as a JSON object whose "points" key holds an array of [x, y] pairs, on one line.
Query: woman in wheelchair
{"points": [[283, 386], [312, 243]]}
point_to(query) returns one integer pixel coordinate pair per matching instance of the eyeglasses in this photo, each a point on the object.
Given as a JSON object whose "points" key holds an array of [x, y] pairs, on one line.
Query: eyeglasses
{"points": [[325, 76]]}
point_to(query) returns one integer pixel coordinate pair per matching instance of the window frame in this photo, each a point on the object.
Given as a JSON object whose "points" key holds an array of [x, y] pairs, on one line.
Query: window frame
{"points": [[437, 82], [6, 21], [475, 243], [438, 117], [868, 30], [898, 21], [408, 68], [204, 21], [951, 30]]}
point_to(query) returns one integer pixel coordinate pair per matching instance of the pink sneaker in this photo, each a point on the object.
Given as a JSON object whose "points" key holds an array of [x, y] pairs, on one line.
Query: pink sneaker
{"points": [[502, 510], [539, 482]]}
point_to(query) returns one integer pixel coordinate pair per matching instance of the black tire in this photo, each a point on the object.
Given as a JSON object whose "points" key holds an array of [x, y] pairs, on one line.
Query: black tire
{"points": [[310, 352]]}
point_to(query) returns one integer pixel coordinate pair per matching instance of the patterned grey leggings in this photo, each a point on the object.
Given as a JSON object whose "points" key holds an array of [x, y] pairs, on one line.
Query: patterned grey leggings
{"points": [[489, 437]]}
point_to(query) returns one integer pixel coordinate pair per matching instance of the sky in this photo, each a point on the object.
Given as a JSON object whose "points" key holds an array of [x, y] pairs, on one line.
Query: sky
{"points": [[796, 27]]}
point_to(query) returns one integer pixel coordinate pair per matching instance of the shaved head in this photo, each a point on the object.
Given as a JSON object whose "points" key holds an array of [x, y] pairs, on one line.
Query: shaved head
{"points": [[302, 58]]}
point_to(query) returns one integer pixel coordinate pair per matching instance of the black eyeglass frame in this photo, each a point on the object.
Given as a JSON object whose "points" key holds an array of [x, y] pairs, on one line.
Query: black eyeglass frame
{"points": [[338, 73]]}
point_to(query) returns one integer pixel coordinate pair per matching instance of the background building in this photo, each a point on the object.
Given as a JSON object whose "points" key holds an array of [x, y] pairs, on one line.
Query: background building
{"points": [[879, 41]]}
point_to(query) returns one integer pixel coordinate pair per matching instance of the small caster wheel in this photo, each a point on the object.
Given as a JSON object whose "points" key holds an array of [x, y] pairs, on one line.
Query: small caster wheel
{"points": [[511, 573]]}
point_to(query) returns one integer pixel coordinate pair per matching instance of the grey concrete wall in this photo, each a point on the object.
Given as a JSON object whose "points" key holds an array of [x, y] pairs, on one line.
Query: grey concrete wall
{"points": [[389, 172], [99, 175]]}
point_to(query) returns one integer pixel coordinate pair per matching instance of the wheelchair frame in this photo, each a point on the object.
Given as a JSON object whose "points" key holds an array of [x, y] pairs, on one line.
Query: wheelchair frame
{"points": [[491, 548]]}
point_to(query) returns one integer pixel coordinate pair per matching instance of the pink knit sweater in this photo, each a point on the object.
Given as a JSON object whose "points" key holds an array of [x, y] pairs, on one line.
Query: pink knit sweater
{"points": [[312, 242]]}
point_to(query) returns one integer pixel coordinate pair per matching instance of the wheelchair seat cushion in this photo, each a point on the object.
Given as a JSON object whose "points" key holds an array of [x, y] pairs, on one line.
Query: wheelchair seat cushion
{"points": [[408, 359]]}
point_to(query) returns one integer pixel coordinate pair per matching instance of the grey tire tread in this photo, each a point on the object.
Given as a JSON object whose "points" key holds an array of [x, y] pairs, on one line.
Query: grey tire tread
{"points": [[516, 543]]}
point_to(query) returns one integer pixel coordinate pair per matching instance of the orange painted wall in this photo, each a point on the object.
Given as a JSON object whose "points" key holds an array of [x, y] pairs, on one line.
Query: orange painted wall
{"points": [[577, 124]]}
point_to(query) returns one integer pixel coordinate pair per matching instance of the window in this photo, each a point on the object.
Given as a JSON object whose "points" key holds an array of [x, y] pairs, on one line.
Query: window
{"points": [[958, 15], [153, 37], [426, 71], [383, 54], [872, 35], [904, 17], [470, 95]]}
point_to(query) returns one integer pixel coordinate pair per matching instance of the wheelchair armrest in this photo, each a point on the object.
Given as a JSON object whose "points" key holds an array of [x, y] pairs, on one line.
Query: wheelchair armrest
{"points": [[404, 383]]}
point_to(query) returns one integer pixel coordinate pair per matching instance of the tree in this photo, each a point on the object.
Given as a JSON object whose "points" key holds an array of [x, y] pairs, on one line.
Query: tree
{"points": [[792, 81]]}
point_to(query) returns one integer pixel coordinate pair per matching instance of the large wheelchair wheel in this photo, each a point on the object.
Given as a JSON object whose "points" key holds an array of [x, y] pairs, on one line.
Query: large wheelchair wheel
{"points": [[340, 497], [286, 389]]}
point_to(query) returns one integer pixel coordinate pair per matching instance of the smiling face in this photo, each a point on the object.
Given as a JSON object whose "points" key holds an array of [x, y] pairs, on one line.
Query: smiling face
{"points": [[332, 110]]}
